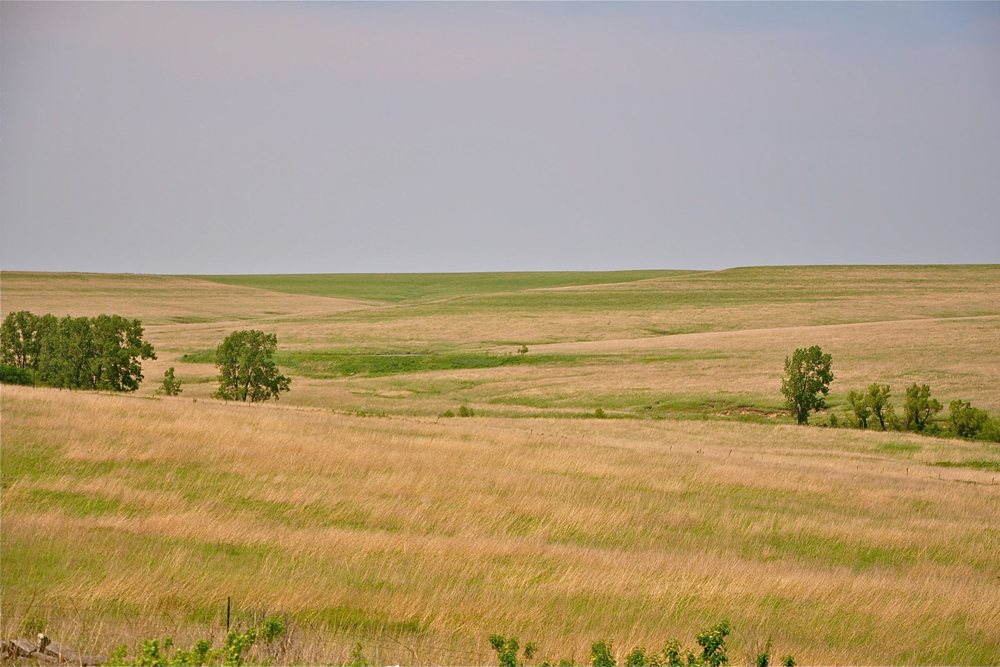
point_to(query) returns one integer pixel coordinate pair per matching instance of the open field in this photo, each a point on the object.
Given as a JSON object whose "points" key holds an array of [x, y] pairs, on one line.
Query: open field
{"points": [[351, 507]]}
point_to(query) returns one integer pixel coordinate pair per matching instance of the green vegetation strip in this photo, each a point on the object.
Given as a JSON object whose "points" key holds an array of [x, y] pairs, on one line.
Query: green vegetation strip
{"points": [[338, 364], [397, 287]]}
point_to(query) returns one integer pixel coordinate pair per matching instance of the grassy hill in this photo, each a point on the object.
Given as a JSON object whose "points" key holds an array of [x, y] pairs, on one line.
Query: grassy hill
{"points": [[354, 509]]}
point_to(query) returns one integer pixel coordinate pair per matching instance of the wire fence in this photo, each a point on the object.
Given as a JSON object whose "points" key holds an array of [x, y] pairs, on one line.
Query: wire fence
{"points": [[98, 631]]}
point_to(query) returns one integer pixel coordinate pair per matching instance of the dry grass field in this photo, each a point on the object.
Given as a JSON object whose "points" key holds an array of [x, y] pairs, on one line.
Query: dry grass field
{"points": [[353, 509]]}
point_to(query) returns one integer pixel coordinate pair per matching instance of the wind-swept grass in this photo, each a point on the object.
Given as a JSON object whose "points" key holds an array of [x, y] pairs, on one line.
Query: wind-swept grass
{"points": [[562, 530]]}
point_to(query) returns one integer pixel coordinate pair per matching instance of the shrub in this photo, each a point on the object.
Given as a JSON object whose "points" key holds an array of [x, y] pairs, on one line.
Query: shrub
{"points": [[15, 375], [966, 420], [171, 386], [447, 413], [600, 654], [466, 412], [713, 643], [507, 650]]}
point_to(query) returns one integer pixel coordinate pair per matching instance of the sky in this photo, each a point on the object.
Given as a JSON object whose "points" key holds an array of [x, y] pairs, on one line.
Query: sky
{"points": [[292, 137]]}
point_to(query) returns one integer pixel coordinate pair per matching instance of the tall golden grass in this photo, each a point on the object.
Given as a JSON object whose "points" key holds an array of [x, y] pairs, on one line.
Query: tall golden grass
{"points": [[560, 531]]}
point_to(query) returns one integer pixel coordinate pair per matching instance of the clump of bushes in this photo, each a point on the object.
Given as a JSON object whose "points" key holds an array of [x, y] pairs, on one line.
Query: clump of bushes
{"points": [[872, 409], [711, 641], [463, 411], [233, 653]]}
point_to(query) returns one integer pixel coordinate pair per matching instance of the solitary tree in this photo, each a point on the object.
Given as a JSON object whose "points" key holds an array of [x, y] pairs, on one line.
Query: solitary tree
{"points": [[246, 370], [807, 375], [171, 386]]}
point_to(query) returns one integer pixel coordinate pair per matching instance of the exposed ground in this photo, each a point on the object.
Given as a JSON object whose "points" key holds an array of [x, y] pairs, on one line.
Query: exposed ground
{"points": [[352, 507]]}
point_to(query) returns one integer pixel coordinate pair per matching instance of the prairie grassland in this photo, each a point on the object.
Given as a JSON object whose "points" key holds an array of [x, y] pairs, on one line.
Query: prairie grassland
{"points": [[562, 531], [418, 536]]}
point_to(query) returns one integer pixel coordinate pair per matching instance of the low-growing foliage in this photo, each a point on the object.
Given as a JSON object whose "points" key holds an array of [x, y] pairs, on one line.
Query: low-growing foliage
{"points": [[170, 386], [966, 420], [233, 652]]}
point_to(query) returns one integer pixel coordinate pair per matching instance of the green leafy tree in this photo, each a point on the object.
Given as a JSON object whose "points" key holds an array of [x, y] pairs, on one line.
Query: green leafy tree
{"points": [[82, 353], [966, 420], [171, 386], [877, 399], [19, 344], [118, 348], [919, 407], [860, 409], [807, 375], [246, 370]]}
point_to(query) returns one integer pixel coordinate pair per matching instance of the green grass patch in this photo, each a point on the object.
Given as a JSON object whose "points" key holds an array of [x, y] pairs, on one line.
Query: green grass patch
{"points": [[977, 465], [72, 503], [399, 287], [899, 448], [332, 364], [199, 357]]}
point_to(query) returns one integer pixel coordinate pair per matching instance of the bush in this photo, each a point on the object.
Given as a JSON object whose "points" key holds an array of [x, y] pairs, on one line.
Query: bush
{"points": [[713, 643], [600, 654], [466, 412], [171, 386], [965, 420], [15, 375]]}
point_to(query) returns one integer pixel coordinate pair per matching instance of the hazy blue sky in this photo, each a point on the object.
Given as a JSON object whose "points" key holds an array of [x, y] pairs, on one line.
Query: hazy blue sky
{"points": [[345, 137]]}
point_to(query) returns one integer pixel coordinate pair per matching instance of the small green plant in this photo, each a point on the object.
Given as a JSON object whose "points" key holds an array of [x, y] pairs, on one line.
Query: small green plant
{"points": [[236, 645], [788, 661], [447, 413], [358, 658], [150, 654], [119, 656], [636, 658], [601, 655], [599, 413], [523, 349], [466, 412], [506, 650], [764, 659], [170, 386], [713, 644]]}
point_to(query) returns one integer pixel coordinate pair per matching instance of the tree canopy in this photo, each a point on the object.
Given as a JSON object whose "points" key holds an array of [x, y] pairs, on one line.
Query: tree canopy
{"points": [[246, 370], [807, 376], [103, 352]]}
